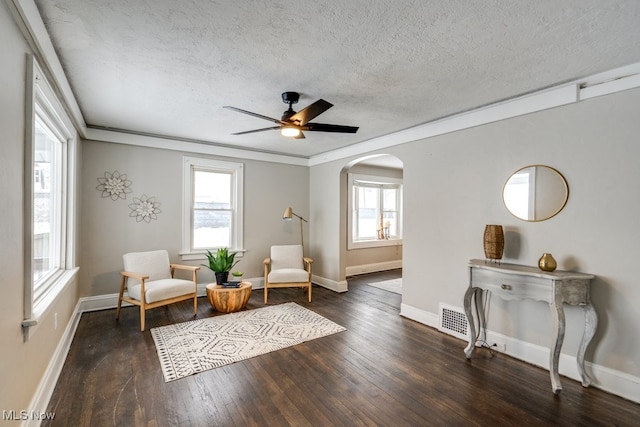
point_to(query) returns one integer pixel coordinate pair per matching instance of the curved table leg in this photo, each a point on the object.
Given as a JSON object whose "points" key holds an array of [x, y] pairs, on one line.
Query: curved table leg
{"points": [[590, 324], [558, 322], [482, 319], [468, 295]]}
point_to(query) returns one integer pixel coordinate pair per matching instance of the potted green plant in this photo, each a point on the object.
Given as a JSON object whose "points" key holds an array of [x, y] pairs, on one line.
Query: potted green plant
{"points": [[221, 263]]}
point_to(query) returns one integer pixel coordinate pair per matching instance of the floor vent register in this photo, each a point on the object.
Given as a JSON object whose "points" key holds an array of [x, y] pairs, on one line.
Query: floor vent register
{"points": [[453, 321]]}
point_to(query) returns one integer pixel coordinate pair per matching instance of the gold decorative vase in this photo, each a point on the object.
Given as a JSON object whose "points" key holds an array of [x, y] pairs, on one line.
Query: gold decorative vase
{"points": [[493, 241], [547, 262]]}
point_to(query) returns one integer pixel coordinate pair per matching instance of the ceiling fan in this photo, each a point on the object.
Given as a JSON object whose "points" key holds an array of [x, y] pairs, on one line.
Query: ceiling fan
{"points": [[293, 123]]}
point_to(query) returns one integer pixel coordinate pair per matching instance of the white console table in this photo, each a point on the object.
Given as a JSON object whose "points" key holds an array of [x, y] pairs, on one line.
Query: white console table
{"points": [[517, 282]]}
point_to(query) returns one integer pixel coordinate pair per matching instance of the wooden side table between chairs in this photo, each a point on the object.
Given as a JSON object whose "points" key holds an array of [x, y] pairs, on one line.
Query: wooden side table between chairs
{"points": [[229, 300]]}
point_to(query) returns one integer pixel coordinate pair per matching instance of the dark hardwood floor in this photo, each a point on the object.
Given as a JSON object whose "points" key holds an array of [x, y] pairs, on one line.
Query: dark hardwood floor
{"points": [[384, 370]]}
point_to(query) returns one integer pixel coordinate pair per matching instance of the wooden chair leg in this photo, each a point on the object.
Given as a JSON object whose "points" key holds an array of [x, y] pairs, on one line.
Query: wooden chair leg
{"points": [[265, 293], [310, 292], [120, 297], [142, 312], [194, 278]]}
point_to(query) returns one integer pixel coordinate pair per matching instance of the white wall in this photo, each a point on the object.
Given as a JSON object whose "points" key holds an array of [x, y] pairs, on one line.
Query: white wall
{"points": [[326, 225], [452, 189], [268, 189], [22, 365]]}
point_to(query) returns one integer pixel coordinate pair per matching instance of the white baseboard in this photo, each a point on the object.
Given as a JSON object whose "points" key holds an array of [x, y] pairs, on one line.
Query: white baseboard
{"points": [[610, 380], [256, 282], [109, 301], [420, 316], [372, 268], [333, 285], [99, 302], [47, 385]]}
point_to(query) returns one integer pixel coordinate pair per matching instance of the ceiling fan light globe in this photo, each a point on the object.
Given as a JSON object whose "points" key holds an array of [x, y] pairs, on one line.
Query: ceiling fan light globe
{"points": [[290, 131]]}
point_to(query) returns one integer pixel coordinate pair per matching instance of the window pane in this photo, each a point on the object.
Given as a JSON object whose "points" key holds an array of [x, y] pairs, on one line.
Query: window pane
{"points": [[44, 204], [212, 215], [391, 223], [389, 198], [211, 229], [368, 197], [376, 211], [212, 190], [367, 213], [367, 224], [390, 206], [212, 205]]}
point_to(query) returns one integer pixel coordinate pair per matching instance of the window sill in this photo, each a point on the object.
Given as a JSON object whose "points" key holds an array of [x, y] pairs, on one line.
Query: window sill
{"points": [[198, 256], [43, 305], [373, 244]]}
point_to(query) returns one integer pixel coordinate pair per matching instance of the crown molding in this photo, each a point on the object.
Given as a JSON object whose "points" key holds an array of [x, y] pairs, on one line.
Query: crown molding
{"points": [[28, 18], [616, 80], [511, 108], [191, 146], [30, 22]]}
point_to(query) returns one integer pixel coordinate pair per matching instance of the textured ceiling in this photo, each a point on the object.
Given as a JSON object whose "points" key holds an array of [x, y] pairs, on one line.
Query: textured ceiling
{"points": [[168, 67]]}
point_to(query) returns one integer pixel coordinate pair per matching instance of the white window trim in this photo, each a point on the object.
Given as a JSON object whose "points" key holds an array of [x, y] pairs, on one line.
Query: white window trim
{"points": [[238, 194], [351, 244], [42, 99]]}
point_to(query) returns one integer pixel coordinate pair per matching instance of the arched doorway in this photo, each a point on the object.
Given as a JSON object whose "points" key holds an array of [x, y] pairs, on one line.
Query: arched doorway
{"points": [[371, 212]]}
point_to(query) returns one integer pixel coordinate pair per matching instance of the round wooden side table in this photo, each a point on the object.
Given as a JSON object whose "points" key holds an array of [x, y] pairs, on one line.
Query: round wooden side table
{"points": [[229, 300]]}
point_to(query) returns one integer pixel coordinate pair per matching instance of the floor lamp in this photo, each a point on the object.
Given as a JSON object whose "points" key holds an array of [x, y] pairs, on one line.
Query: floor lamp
{"points": [[288, 216]]}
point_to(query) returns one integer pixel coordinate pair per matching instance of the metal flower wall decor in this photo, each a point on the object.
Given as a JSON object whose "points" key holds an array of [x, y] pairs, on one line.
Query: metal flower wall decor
{"points": [[144, 208], [114, 185]]}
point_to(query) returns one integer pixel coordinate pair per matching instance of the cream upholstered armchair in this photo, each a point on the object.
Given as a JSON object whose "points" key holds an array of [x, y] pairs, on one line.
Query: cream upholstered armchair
{"points": [[286, 268], [149, 282]]}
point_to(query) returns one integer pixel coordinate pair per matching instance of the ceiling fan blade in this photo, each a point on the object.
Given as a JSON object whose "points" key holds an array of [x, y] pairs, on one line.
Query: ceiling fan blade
{"points": [[322, 127], [310, 112], [260, 116], [256, 130]]}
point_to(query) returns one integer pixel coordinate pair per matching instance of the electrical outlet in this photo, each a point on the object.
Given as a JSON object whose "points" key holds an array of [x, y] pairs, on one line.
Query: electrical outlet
{"points": [[55, 321], [501, 347]]}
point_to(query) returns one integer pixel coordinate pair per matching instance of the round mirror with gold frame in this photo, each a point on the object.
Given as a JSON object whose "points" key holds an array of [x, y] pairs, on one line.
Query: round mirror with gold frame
{"points": [[535, 193]]}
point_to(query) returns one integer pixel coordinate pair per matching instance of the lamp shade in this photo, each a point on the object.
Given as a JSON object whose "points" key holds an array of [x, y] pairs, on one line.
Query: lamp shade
{"points": [[493, 241], [288, 214]]}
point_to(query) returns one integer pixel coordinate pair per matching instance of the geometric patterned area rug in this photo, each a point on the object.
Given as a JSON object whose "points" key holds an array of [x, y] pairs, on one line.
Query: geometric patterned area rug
{"points": [[393, 285], [199, 345]]}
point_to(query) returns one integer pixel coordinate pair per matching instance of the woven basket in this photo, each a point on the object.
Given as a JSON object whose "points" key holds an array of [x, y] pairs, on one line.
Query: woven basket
{"points": [[493, 241]]}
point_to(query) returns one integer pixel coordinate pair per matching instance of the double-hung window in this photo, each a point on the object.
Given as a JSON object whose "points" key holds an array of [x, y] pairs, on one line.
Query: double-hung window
{"points": [[48, 229], [50, 149], [375, 214], [212, 206]]}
